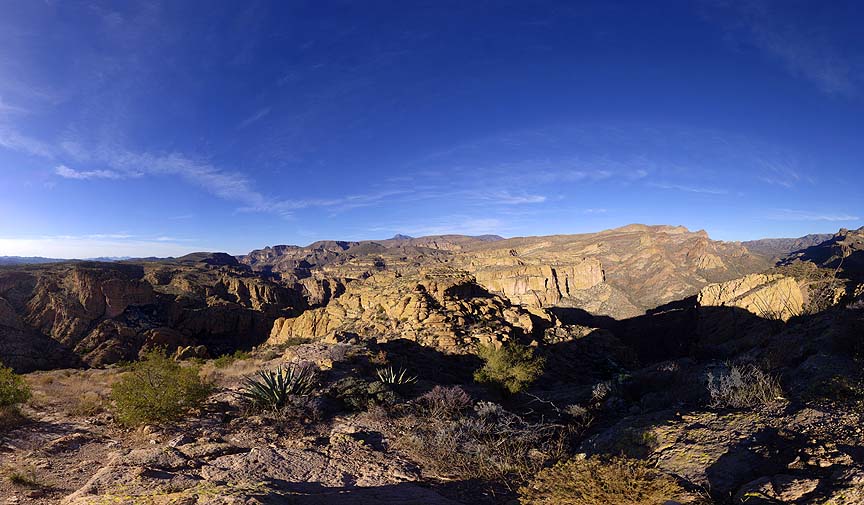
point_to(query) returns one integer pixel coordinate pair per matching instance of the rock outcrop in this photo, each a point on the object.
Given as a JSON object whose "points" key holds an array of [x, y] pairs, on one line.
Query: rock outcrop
{"points": [[769, 296], [540, 285], [440, 308]]}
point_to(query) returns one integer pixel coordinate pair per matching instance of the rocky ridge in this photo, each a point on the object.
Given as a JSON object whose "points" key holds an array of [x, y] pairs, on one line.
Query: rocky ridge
{"points": [[105, 312]]}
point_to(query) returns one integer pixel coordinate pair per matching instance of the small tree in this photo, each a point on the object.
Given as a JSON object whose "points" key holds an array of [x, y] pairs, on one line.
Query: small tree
{"points": [[157, 389], [512, 367]]}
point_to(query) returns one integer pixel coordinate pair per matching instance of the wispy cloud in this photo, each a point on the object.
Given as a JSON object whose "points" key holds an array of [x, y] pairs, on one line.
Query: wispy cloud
{"points": [[508, 198], [688, 189], [13, 140], [803, 46], [71, 173], [260, 114], [6, 108], [457, 224], [803, 215]]}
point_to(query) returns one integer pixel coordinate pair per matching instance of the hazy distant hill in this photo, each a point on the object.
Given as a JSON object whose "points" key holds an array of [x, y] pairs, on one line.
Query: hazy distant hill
{"points": [[780, 247], [21, 260], [37, 260]]}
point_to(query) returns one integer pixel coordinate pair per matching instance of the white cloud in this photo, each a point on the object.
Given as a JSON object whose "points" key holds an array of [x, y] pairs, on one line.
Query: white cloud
{"points": [[803, 215], [689, 189], [507, 198], [71, 173], [458, 225]]}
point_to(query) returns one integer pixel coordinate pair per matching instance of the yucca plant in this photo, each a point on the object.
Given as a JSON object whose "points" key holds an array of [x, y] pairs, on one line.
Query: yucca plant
{"points": [[271, 389], [396, 377]]}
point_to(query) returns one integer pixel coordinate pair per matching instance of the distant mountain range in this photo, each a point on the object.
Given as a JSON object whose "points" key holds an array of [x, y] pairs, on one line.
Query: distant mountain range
{"points": [[38, 260], [780, 247]]}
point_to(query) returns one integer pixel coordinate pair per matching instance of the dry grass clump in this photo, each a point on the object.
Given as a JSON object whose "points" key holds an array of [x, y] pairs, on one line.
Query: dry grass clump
{"points": [[742, 386], [445, 402], [597, 480], [489, 444], [88, 404], [21, 476]]}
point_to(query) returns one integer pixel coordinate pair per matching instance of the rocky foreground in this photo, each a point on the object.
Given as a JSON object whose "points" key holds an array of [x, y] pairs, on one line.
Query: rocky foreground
{"points": [[736, 382]]}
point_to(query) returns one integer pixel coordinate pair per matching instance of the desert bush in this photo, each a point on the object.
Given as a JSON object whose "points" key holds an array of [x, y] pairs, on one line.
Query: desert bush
{"points": [[358, 394], [227, 360], [610, 481], [272, 389], [13, 389], [157, 389], [742, 386], [512, 367], [491, 445], [445, 401]]}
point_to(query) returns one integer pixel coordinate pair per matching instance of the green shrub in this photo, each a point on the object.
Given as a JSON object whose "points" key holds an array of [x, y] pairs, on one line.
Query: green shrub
{"points": [[13, 389], [512, 367], [272, 389], [157, 389], [358, 394], [610, 481], [227, 360]]}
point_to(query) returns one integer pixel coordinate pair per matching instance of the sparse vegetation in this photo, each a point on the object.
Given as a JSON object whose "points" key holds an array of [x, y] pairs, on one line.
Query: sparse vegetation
{"points": [[395, 376], [272, 389], [512, 366], [443, 402], [742, 386], [88, 404], [157, 389], [358, 394], [227, 360], [491, 444], [610, 481], [21, 476]]}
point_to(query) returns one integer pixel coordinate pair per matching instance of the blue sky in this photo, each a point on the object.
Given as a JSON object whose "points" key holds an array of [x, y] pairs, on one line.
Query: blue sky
{"points": [[148, 128]]}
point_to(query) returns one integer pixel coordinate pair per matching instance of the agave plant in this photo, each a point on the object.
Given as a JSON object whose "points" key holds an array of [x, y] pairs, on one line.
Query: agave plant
{"points": [[272, 389], [396, 377]]}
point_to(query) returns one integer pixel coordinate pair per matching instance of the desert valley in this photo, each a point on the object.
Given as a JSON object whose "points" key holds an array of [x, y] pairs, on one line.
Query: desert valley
{"points": [[625, 262], [445, 369]]}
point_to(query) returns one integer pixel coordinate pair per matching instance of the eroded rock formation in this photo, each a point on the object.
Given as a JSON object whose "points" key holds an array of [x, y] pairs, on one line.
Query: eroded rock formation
{"points": [[441, 308]]}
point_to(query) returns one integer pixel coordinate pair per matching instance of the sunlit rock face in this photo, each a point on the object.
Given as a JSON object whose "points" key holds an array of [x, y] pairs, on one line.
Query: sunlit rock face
{"points": [[769, 296]]}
